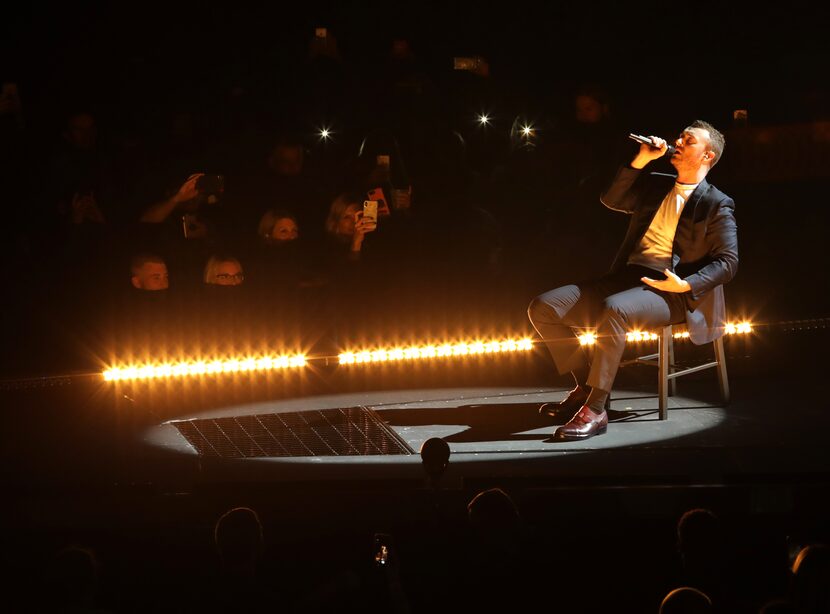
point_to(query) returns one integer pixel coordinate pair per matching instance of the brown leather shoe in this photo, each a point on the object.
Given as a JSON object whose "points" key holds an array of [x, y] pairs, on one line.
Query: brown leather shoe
{"points": [[576, 398], [585, 423]]}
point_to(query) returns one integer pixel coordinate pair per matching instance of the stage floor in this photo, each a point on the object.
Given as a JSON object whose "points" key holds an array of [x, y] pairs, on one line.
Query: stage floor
{"points": [[497, 433], [84, 433]]}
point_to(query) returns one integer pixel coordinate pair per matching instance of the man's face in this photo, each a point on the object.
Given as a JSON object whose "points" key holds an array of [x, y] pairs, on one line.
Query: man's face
{"points": [[693, 149], [151, 276], [228, 273], [285, 230]]}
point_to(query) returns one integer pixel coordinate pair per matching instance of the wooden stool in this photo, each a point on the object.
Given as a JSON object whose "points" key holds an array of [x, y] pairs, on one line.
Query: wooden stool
{"points": [[667, 371]]}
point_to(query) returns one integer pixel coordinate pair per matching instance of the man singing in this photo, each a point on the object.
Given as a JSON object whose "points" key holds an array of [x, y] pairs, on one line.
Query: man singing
{"points": [[680, 248]]}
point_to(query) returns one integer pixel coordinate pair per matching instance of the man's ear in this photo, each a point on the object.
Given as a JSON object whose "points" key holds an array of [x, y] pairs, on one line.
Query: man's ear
{"points": [[136, 283]]}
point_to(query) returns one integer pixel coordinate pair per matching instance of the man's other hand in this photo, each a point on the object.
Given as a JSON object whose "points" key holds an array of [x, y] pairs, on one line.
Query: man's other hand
{"points": [[672, 283]]}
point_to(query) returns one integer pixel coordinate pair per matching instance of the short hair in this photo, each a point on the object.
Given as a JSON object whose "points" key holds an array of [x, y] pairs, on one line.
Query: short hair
{"points": [[698, 529], [213, 264], [685, 600], [139, 260], [493, 509], [269, 219], [336, 209], [237, 534], [717, 142]]}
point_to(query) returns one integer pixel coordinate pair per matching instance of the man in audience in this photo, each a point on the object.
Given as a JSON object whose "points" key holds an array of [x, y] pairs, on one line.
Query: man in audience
{"points": [[149, 272]]}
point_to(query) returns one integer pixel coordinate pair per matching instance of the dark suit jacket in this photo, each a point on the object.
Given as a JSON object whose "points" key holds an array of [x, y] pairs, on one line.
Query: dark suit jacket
{"points": [[705, 250]]}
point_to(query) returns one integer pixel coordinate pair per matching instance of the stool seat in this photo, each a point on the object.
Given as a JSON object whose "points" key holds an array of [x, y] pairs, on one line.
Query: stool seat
{"points": [[668, 372]]}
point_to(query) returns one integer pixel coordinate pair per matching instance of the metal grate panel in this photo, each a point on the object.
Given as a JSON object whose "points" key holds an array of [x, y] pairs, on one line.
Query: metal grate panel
{"points": [[348, 431]]}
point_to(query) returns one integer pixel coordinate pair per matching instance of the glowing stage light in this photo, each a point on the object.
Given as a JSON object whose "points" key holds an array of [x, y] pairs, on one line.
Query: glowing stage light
{"points": [[253, 364], [587, 339], [638, 336], [200, 367], [738, 328], [445, 350]]}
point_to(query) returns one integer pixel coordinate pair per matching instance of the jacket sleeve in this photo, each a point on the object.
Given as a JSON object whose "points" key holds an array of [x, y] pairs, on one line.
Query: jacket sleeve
{"points": [[722, 237], [622, 194]]}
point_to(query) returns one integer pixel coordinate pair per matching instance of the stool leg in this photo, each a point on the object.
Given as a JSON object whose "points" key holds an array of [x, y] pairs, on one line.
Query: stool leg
{"points": [[723, 380], [663, 373], [673, 382]]}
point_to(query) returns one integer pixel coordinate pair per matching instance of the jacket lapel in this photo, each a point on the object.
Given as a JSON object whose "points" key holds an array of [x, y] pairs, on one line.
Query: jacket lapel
{"points": [[690, 208]]}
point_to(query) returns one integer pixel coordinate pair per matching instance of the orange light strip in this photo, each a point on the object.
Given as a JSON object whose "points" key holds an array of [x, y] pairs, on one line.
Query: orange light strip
{"points": [[445, 350], [203, 367], [732, 328], [365, 356]]}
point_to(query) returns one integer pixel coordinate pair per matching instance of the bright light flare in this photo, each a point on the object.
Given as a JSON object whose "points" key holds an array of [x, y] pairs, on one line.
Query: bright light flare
{"points": [[587, 339], [325, 133], [738, 328], [637, 335], [246, 364], [483, 119], [445, 350], [527, 131]]}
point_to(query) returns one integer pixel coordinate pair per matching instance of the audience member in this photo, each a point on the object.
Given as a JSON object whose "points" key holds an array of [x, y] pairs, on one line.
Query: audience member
{"points": [[278, 227], [705, 555], [810, 591], [149, 272], [498, 555], [346, 228], [240, 582], [685, 600], [281, 258], [223, 271]]}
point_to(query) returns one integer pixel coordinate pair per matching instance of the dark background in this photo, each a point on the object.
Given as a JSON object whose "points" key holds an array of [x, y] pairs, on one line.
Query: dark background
{"points": [[673, 61]]}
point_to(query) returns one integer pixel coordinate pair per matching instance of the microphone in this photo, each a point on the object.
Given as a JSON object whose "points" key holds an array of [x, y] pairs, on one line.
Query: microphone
{"points": [[644, 139]]}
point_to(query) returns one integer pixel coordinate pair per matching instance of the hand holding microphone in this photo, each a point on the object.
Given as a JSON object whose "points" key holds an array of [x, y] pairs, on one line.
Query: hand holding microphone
{"points": [[655, 148], [654, 142]]}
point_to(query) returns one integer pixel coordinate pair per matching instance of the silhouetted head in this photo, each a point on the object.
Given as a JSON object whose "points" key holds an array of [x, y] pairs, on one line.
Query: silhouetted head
{"points": [[238, 538], [435, 456], [686, 600], [811, 579], [493, 513], [699, 537]]}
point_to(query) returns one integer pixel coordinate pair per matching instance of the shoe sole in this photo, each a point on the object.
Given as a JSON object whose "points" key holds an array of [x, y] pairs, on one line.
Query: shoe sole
{"points": [[563, 437]]}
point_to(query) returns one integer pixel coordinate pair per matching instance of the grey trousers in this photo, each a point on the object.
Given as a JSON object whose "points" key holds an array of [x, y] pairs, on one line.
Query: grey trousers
{"points": [[611, 306]]}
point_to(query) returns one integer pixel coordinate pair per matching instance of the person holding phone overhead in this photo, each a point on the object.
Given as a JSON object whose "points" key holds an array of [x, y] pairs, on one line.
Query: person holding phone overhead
{"points": [[347, 224], [681, 247]]}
